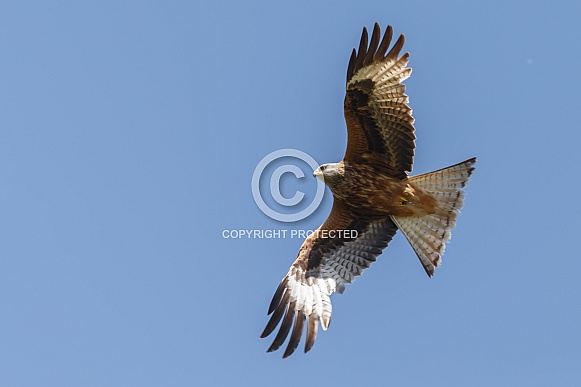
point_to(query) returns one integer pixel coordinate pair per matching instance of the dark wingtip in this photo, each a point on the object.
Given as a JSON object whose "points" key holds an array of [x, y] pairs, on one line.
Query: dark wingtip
{"points": [[280, 291], [296, 334], [395, 50], [276, 316], [284, 328], [351, 67], [375, 36], [376, 51], [272, 323], [312, 328], [362, 51], [384, 43]]}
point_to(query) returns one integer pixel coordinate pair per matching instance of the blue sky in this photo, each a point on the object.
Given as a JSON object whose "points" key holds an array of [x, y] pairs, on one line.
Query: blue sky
{"points": [[130, 132]]}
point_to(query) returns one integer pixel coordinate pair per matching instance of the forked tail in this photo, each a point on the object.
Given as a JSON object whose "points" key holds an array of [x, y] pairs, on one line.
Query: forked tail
{"points": [[428, 234]]}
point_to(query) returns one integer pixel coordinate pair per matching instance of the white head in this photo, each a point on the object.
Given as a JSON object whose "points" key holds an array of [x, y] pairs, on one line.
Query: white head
{"points": [[326, 171]]}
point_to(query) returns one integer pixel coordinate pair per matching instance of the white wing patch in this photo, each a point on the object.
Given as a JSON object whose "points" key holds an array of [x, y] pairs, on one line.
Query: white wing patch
{"points": [[306, 294]]}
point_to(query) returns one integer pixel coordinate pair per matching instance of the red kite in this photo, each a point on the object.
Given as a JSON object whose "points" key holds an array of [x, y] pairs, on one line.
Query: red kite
{"points": [[373, 196]]}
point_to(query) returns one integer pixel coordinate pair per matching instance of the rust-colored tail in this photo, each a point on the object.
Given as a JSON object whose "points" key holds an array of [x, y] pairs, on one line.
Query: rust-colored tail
{"points": [[428, 234]]}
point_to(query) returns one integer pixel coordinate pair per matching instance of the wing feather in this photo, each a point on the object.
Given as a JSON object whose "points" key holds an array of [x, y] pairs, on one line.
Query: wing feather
{"points": [[285, 327], [277, 297], [375, 36], [362, 49], [296, 334], [278, 312], [377, 114], [312, 328], [325, 264], [384, 42]]}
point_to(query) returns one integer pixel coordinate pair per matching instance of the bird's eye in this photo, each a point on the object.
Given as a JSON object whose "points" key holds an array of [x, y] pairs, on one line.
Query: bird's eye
{"points": [[323, 167]]}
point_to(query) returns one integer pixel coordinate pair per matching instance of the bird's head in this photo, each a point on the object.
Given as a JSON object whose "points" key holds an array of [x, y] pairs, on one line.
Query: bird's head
{"points": [[326, 172]]}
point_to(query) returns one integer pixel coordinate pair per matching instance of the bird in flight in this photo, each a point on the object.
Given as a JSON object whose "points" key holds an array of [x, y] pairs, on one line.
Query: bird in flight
{"points": [[373, 196]]}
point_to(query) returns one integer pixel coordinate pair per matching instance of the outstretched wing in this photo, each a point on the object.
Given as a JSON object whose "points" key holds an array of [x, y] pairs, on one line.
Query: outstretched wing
{"points": [[328, 259], [376, 111]]}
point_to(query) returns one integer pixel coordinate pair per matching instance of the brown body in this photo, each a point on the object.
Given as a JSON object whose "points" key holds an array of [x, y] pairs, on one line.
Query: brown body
{"points": [[370, 192]]}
